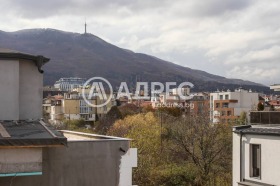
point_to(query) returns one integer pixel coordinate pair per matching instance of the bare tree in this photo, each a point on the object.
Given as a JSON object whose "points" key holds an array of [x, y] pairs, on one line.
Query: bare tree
{"points": [[205, 145]]}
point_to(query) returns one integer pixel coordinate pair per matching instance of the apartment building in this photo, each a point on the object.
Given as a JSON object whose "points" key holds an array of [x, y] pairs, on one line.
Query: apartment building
{"points": [[68, 84], [256, 149], [275, 87], [171, 99], [72, 106], [198, 104], [33, 153], [228, 106]]}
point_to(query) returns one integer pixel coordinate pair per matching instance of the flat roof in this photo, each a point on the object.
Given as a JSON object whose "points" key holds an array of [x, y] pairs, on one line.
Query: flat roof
{"points": [[39, 60], [271, 130], [82, 136], [29, 133]]}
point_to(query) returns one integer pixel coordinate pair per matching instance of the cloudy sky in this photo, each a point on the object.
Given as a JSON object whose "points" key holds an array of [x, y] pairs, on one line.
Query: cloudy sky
{"points": [[232, 38]]}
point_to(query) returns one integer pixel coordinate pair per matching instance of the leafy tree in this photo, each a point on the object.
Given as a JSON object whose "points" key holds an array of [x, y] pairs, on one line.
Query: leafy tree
{"points": [[148, 108], [178, 150], [172, 111], [145, 132], [242, 120], [173, 174], [260, 106], [73, 124], [128, 109], [108, 120]]}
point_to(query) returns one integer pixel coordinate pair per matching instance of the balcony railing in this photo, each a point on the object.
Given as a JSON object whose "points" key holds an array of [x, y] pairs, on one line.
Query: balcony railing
{"points": [[265, 117]]}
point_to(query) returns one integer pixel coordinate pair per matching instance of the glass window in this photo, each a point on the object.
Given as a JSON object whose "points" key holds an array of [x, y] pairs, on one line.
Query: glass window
{"points": [[229, 113], [255, 160], [217, 105], [225, 105]]}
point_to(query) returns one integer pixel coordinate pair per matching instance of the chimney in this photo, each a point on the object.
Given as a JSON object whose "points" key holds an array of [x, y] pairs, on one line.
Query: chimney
{"points": [[21, 80]]}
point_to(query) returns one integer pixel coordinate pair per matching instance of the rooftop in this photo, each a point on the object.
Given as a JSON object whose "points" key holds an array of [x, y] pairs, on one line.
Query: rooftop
{"points": [[13, 54], [29, 133], [271, 130], [81, 136]]}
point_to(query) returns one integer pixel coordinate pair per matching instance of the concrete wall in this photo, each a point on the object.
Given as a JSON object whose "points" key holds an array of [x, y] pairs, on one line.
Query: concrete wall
{"points": [[30, 91], [21, 90], [20, 160], [71, 106], [270, 162], [9, 90], [83, 163]]}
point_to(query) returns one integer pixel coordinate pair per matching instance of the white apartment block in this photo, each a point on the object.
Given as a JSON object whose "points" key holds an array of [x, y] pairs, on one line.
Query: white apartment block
{"points": [[275, 87], [68, 84], [173, 97], [256, 152], [226, 106]]}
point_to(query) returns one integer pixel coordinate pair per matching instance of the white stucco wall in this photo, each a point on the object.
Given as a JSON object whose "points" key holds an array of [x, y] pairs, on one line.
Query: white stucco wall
{"points": [[128, 161], [270, 161], [235, 159], [9, 90]]}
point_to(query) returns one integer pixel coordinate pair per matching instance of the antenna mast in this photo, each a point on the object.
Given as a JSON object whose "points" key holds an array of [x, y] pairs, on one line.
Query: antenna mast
{"points": [[85, 26]]}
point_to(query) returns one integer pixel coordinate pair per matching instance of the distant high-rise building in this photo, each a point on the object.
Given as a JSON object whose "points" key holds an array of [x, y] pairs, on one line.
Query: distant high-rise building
{"points": [[68, 84]]}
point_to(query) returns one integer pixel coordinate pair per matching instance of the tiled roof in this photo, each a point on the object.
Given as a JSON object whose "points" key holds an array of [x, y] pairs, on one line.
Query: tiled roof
{"points": [[29, 133]]}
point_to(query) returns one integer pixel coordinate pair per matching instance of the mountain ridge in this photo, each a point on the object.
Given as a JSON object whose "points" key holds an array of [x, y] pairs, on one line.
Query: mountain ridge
{"points": [[87, 55]]}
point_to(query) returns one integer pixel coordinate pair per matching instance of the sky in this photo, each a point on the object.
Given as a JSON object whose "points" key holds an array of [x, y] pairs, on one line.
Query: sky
{"points": [[232, 38]]}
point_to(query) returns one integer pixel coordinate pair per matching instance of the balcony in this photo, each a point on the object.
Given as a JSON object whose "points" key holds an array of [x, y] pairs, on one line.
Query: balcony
{"points": [[226, 101], [265, 117]]}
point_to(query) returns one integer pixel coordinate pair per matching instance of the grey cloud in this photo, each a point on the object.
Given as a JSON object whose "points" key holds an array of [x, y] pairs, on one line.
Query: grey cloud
{"points": [[38, 9], [224, 37], [218, 7], [41, 9]]}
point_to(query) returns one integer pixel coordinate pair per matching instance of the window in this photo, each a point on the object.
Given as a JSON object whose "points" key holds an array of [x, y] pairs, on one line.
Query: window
{"points": [[225, 105], [221, 97], [255, 160], [226, 97], [229, 113], [217, 105]]}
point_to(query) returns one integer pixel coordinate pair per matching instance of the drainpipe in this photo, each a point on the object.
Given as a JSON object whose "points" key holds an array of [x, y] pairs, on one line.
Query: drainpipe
{"points": [[241, 172]]}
